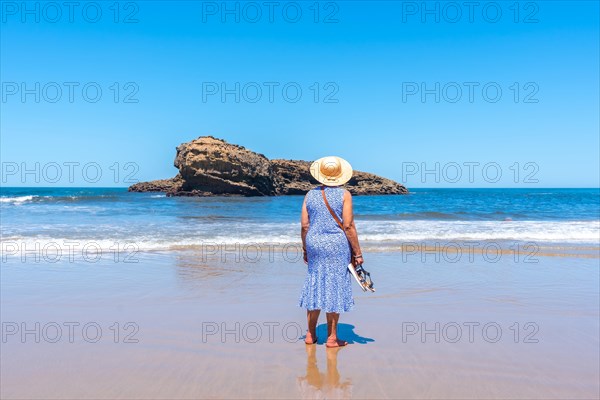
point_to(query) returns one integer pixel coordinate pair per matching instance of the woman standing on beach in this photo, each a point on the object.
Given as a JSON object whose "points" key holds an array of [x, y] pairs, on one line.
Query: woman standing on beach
{"points": [[327, 248]]}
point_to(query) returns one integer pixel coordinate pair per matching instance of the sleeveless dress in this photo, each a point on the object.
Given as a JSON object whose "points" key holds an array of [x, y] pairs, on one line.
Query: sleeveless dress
{"points": [[328, 285]]}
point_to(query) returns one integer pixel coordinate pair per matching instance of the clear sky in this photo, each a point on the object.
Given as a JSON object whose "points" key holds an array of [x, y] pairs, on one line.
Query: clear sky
{"points": [[396, 88]]}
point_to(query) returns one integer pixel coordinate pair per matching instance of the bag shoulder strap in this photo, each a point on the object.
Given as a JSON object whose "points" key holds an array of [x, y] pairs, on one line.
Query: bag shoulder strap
{"points": [[330, 210]]}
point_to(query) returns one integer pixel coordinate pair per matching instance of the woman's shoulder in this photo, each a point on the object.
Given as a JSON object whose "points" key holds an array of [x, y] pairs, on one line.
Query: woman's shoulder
{"points": [[311, 192], [343, 192], [346, 195]]}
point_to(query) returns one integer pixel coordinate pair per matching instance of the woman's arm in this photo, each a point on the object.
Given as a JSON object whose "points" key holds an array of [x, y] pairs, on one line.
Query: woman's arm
{"points": [[305, 223], [349, 227]]}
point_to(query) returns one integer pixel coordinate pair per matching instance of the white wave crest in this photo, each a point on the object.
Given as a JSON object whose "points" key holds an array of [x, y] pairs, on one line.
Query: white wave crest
{"points": [[284, 234], [16, 199]]}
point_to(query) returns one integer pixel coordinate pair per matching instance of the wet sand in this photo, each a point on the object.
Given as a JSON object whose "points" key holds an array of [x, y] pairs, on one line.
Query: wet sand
{"points": [[434, 329]]}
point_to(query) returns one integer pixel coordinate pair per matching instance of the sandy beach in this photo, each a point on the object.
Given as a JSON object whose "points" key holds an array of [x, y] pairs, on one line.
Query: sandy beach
{"points": [[191, 326]]}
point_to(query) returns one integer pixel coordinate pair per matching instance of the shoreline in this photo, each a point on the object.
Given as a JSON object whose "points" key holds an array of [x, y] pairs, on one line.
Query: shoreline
{"points": [[251, 252]]}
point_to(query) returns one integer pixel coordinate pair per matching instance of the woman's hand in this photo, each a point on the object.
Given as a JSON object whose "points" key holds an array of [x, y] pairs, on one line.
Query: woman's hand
{"points": [[358, 260], [304, 256]]}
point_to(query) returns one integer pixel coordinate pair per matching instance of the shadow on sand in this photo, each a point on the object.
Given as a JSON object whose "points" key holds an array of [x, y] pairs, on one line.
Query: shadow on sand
{"points": [[345, 332]]}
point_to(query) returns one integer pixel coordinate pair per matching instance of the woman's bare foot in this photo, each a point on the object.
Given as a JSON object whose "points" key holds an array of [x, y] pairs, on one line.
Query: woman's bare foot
{"points": [[310, 338], [335, 342]]}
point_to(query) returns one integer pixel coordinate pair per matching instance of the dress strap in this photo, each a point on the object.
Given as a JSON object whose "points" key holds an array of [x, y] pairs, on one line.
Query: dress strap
{"points": [[330, 209]]}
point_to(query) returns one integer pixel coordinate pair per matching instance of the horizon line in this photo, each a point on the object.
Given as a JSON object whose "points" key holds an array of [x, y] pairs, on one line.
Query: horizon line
{"points": [[415, 187]]}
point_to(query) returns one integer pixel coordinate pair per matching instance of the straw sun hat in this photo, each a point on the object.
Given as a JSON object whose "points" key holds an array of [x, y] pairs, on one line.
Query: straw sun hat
{"points": [[331, 170]]}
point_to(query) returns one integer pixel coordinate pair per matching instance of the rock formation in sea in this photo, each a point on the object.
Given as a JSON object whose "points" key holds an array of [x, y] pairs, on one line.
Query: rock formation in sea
{"points": [[210, 166]]}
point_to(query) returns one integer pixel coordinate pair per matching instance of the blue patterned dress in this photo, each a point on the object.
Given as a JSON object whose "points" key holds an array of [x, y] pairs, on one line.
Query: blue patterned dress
{"points": [[327, 286]]}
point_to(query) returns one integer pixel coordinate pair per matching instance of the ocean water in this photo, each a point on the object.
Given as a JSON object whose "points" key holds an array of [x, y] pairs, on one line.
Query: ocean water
{"points": [[152, 221]]}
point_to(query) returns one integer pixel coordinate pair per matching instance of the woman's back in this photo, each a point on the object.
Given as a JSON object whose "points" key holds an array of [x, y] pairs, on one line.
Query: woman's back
{"points": [[321, 220]]}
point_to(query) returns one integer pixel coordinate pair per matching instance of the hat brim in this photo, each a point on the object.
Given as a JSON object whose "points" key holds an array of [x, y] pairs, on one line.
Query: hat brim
{"points": [[345, 176]]}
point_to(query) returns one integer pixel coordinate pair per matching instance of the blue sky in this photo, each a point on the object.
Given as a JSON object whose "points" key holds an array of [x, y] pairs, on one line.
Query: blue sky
{"points": [[369, 60]]}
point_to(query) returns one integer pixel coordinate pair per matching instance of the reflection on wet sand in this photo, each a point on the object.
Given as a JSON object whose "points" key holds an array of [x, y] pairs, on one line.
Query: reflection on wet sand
{"points": [[327, 385]]}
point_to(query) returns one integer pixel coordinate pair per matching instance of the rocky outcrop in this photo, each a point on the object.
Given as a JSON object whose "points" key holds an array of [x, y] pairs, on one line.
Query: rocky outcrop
{"points": [[292, 176], [213, 165], [160, 185], [210, 166]]}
